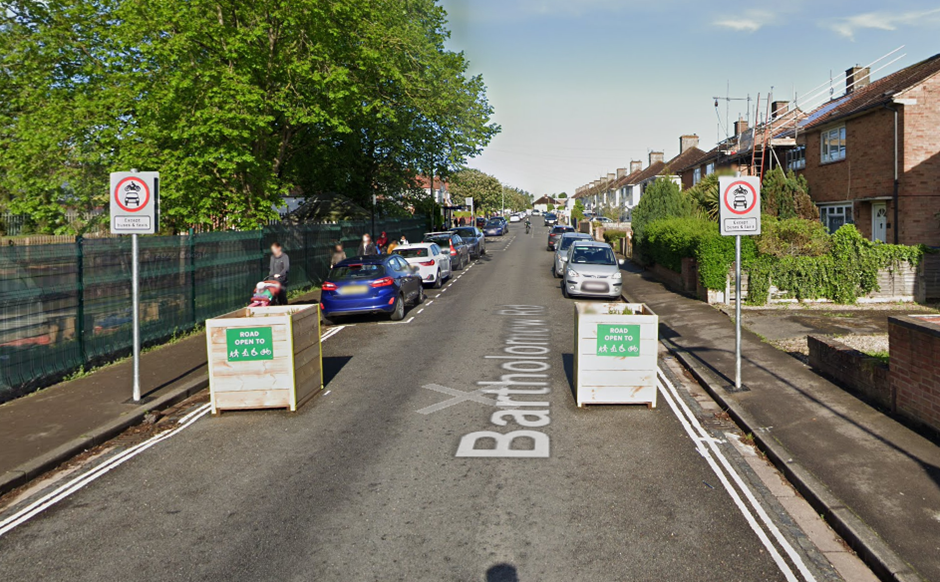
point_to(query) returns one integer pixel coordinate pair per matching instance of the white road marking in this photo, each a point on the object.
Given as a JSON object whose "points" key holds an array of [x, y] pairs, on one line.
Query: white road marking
{"points": [[70, 487], [420, 310], [700, 436], [331, 332], [458, 397], [409, 320]]}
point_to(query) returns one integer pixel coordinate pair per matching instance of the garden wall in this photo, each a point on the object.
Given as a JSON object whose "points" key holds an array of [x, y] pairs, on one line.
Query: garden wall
{"points": [[859, 373], [915, 367]]}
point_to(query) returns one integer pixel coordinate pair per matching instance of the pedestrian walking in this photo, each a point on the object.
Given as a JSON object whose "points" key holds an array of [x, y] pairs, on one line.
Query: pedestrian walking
{"points": [[366, 247], [279, 270], [338, 255]]}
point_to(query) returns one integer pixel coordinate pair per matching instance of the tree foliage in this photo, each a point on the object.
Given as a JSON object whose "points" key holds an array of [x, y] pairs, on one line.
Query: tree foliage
{"points": [[235, 103], [485, 190], [662, 199], [786, 195], [577, 212]]}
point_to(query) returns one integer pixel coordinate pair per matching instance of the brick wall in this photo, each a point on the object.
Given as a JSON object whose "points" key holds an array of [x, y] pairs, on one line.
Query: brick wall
{"points": [[868, 169], [860, 374], [915, 368]]}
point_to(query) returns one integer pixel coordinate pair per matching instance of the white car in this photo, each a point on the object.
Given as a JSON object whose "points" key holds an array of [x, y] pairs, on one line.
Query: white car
{"points": [[515, 218], [433, 264]]}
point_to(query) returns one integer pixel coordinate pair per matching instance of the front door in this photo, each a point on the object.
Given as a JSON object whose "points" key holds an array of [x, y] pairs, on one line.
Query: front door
{"points": [[879, 221]]}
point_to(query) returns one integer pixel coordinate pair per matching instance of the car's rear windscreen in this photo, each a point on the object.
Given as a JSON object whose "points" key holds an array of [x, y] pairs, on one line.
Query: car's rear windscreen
{"points": [[357, 272], [413, 253]]}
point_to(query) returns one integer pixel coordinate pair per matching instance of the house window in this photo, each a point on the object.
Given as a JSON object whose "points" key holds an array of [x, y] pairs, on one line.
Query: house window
{"points": [[832, 145], [835, 216], [710, 169], [796, 158], [696, 176]]}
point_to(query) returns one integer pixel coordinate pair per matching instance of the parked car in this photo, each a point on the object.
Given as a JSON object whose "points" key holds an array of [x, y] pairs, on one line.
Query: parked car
{"points": [[592, 270], [380, 284], [555, 233], [515, 218], [536, 212], [451, 242], [561, 250], [602, 219], [494, 227], [432, 263], [474, 238], [550, 219], [481, 222]]}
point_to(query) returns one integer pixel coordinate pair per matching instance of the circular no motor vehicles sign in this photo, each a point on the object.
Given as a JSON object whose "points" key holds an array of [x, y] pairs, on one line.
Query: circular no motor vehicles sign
{"points": [[132, 194], [739, 197]]}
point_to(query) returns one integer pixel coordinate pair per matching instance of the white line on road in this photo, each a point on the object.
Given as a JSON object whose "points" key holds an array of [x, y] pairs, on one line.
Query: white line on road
{"points": [[700, 436], [409, 320], [331, 332], [420, 310], [70, 487]]}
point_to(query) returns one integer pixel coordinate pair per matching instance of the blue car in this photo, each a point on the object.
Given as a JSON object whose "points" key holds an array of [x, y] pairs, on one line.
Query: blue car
{"points": [[377, 284], [495, 227]]}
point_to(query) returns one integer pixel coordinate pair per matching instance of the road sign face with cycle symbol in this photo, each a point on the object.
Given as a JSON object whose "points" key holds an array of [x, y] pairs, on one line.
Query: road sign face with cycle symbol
{"points": [[739, 212]]}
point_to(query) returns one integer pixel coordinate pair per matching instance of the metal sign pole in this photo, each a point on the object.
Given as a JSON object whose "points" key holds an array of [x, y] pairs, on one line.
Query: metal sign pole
{"points": [[135, 291], [737, 312]]}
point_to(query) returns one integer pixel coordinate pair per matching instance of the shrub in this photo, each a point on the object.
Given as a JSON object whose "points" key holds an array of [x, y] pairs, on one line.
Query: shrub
{"points": [[705, 194], [792, 237], [786, 195], [848, 271], [612, 236], [663, 199]]}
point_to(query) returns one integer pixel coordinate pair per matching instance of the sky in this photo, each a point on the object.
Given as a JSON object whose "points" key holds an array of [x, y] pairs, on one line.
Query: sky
{"points": [[581, 87]]}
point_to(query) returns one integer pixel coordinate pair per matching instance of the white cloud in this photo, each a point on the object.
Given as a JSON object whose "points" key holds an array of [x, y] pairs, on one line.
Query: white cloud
{"points": [[850, 25], [747, 21]]}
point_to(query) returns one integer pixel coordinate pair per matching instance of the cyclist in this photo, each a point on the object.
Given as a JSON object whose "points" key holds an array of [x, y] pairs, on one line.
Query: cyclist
{"points": [[527, 225]]}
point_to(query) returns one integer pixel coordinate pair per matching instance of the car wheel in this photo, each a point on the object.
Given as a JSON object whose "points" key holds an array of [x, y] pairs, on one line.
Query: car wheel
{"points": [[420, 298], [398, 313], [329, 320], [564, 288], [437, 280]]}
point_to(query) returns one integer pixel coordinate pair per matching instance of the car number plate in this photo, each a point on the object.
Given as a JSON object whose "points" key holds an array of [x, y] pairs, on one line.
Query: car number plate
{"points": [[353, 290], [591, 286]]}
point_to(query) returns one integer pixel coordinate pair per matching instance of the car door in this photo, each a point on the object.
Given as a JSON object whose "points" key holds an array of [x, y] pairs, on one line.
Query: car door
{"points": [[405, 275], [442, 260]]}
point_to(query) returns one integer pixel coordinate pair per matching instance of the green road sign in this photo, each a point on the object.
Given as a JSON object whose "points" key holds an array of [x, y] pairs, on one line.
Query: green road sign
{"points": [[247, 344], [618, 340]]}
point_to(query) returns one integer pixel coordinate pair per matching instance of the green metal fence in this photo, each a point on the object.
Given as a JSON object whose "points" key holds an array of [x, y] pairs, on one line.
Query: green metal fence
{"points": [[68, 306]]}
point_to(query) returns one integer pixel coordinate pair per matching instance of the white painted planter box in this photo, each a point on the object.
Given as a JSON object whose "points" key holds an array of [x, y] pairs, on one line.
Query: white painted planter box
{"points": [[264, 357], [615, 353]]}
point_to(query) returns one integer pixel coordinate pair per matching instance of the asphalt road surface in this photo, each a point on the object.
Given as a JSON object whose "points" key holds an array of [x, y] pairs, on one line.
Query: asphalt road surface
{"points": [[376, 479]]}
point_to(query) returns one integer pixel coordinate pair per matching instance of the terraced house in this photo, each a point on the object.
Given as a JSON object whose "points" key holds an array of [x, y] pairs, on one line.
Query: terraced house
{"points": [[872, 156]]}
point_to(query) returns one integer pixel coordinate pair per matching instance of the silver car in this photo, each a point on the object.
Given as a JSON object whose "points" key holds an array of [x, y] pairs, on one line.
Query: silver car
{"points": [[561, 250], [592, 270]]}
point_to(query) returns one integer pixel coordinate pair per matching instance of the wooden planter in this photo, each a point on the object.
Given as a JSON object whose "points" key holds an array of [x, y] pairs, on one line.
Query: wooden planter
{"points": [[264, 357], [616, 348]]}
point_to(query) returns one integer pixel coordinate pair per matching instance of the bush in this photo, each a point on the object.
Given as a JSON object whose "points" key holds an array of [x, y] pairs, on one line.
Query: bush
{"points": [[663, 199], [613, 236], [792, 237], [786, 195], [848, 271]]}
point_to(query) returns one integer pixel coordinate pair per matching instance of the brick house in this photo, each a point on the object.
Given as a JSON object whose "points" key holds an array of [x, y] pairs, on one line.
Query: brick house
{"points": [[872, 156]]}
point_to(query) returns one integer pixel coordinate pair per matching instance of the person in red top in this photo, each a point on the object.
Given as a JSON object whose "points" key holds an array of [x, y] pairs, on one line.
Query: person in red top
{"points": [[381, 241]]}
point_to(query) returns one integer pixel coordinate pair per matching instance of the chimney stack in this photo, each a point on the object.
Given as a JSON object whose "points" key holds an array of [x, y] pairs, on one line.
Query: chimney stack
{"points": [[740, 126], [636, 166], [778, 108], [687, 142], [656, 157], [857, 78], [621, 172], [611, 177]]}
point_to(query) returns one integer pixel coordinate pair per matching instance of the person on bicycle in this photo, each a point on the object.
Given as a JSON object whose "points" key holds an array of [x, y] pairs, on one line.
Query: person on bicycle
{"points": [[528, 224]]}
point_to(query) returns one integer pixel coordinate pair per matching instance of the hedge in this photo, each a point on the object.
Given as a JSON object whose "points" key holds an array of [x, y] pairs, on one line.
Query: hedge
{"points": [[612, 236], [669, 241]]}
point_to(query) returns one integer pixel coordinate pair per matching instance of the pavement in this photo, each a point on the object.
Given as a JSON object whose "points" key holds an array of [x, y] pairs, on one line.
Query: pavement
{"points": [[876, 481], [381, 477], [42, 430]]}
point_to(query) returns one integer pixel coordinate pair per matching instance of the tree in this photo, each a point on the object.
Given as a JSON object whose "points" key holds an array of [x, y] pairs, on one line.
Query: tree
{"points": [[705, 194], [236, 104], [562, 195], [786, 195], [662, 199], [577, 212], [485, 190]]}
